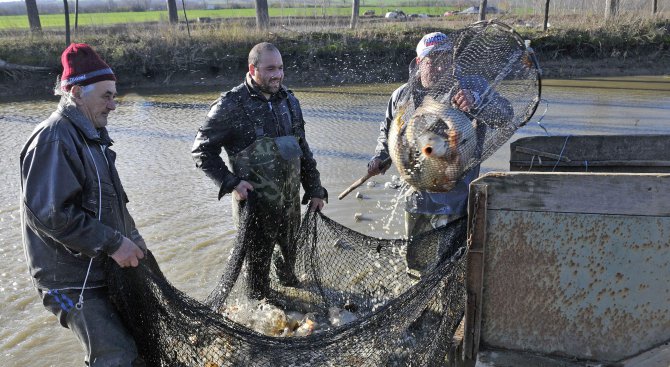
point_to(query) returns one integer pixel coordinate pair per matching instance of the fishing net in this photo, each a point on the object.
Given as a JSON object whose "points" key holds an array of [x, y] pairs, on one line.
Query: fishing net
{"points": [[432, 141], [353, 303]]}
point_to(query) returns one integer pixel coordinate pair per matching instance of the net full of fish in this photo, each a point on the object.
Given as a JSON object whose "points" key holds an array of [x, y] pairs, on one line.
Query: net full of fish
{"points": [[431, 147]]}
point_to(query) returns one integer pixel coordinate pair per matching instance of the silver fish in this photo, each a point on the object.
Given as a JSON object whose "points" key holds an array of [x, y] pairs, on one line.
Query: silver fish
{"points": [[432, 149]]}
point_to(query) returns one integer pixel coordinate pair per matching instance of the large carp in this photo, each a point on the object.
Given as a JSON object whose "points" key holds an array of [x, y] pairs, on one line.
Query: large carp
{"points": [[432, 148]]}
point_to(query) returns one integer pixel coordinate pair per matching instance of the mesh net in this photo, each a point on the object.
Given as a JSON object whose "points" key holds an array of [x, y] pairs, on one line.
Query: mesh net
{"points": [[353, 303], [432, 141]]}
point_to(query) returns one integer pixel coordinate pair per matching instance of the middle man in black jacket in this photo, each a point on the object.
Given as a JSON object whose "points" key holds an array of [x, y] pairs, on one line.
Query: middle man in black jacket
{"points": [[260, 125]]}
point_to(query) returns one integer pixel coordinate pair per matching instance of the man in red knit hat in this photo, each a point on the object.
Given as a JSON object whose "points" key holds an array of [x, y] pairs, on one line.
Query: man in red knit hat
{"points": [[73, 210]]}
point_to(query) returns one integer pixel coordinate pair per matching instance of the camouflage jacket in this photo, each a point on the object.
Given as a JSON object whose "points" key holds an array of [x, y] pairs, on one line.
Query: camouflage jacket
{"points": [[229, 126]]}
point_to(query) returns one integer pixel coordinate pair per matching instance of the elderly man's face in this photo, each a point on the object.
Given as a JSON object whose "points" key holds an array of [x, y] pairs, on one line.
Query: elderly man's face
{"points": [[97, 102], [269, 73], [432, 68]]}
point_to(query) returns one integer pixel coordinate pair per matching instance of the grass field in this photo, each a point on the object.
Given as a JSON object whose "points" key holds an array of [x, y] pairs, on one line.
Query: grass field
{"points": [[105, 19]]}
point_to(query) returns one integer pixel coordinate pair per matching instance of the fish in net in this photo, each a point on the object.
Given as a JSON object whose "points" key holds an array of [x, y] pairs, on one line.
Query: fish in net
{"points": [[433, 142], [353, 304], [391, 320]]}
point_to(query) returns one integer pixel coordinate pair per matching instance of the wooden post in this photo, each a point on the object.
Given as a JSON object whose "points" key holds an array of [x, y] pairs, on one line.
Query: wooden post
{"points": [[33, 16], [482, 10], [262, 15], [172, 11], [76, 16], [355, 8], [612, 8], [66, 11], [546, 15]]}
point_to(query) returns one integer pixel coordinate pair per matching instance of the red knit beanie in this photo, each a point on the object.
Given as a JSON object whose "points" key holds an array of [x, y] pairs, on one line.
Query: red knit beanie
{"points": [[82, 66]]}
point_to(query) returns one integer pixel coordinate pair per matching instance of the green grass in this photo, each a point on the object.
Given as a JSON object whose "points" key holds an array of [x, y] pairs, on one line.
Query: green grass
{"points": [[105, 19]]}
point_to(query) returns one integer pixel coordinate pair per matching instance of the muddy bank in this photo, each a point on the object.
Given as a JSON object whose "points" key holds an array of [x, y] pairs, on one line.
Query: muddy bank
{"points": [[166, 58], [23, 84]]}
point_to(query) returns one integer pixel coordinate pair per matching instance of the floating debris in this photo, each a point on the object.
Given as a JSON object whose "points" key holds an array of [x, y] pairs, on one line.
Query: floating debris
{"points": [[359, 195], [392, 185], [358, 217]]}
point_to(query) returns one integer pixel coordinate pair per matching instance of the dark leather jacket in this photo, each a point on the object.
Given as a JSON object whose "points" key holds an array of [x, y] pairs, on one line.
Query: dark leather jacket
{"points": [[61, 165], [230, 125]]}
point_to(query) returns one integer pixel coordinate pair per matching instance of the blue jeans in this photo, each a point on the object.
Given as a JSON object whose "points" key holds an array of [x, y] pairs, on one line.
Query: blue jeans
{"points": [[97, 326]]}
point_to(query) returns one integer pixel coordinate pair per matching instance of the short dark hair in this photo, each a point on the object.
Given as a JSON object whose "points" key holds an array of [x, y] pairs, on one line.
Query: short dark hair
{"points": [[258, 50]]}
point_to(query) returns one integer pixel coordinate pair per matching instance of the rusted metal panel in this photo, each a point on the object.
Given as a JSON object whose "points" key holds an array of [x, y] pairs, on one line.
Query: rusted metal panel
{"points": [[577, 284], [591, 153]]}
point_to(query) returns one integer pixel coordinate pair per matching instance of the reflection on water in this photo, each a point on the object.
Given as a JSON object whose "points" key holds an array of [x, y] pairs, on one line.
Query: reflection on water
{"points": [[190, 232]]}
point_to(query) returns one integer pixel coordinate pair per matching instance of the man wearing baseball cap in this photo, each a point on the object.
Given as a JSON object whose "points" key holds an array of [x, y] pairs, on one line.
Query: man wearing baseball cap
{"points": [[73, 210], [425, 210]]}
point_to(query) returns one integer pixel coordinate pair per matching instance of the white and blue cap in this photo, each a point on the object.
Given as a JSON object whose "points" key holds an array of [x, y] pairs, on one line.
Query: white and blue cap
{"points": [[436, 41]]}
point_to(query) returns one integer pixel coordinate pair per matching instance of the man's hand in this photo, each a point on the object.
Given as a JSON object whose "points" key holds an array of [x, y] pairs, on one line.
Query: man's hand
{"points": [[464, 100], [129, 254], [241, 191], [316, 204], [375, 167]]}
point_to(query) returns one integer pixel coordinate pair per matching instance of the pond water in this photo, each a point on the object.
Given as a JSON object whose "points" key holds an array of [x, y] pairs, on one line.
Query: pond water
{"points": [[190, 232]]}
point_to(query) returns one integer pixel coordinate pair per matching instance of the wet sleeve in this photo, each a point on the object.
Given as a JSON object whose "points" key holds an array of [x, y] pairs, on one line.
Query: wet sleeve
{"points": [[52, 192], [491, 108], [382, 149], [207, 147]]}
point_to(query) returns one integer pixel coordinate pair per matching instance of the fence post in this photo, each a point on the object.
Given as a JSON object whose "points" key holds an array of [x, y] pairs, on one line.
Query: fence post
{"points": [[355, 8], [482, 10], [546, 15], [612, 8], [262, 15], [172, 11], [66, 11], [33, 16]]}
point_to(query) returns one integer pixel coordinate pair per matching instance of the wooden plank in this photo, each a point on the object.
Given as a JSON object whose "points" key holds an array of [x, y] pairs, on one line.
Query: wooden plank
{"points": [[569, 163], [590, 193], [498, 358], [477, 206], [595, 147], [540, 153], [657, 357]]}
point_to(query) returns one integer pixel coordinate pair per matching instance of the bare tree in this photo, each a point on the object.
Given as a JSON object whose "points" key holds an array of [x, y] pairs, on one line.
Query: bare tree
{"points": [[33, 16], [262, 15], [546, 15], [172, 11], [654, 6], [482, 10], [612, 8], [355, 8]]}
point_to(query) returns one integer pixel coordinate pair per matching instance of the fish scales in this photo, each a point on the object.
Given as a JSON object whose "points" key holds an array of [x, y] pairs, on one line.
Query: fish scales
{"points": [[431, 147]]}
